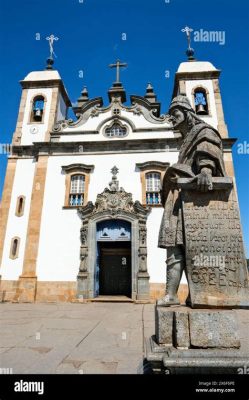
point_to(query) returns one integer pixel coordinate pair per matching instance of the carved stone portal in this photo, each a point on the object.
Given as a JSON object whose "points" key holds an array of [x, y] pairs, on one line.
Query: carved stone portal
{"points": [[113, 203]]}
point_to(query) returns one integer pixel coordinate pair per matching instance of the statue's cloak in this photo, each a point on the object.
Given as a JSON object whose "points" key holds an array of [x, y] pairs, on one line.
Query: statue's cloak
{"points": [[202, 147]]}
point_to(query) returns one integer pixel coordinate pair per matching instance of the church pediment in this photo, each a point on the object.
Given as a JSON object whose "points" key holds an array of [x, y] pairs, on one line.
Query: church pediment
{"points": [[143, 112], [138, 116]]}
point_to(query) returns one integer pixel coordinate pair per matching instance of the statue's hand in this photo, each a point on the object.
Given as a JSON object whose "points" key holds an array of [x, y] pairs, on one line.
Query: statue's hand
{"points": [[204, 180]]}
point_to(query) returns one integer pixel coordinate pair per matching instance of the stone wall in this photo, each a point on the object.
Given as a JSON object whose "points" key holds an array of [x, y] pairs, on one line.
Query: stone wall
{"points": [[66, 291]]}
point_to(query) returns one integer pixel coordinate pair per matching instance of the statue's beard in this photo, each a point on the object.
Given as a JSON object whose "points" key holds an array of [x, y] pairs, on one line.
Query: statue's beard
{"points": [[177, 125], [180, 125]]}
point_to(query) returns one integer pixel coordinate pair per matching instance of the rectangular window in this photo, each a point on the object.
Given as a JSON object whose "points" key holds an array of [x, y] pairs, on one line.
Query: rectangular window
{"points": [[77, 190], [76, 199], [153, 187]]}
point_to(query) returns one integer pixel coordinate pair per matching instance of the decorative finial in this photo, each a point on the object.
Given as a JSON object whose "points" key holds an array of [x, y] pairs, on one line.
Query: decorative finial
{"points": [[50, 60], [150, 95], [84, 91], [50, 63], [114, 184], [84, 94], [114, 170], [83, 99], [118, 65], [190, 52]]}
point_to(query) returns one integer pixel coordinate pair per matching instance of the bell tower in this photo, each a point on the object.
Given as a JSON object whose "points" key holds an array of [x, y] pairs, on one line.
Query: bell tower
{"points": [[44, 101], [199, 81]]}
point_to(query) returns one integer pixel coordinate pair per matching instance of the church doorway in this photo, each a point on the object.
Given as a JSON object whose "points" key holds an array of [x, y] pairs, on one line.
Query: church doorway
{"points": [[113, 250], [114, 261], [115, 269]]}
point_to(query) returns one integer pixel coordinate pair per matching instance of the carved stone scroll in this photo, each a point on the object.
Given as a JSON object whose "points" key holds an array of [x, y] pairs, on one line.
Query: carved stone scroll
{"points": [[215, 260]]}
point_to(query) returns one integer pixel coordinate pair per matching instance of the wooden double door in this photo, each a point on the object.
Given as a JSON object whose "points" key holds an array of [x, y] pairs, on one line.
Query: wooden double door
{"points": [[115, 269]]}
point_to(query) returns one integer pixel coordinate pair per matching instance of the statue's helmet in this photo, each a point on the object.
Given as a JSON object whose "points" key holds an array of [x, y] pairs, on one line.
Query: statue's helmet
{"points": [[182, 102]]}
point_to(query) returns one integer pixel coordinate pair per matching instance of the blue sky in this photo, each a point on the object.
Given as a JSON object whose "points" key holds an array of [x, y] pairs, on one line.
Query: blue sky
{"points": [[90, 38]]}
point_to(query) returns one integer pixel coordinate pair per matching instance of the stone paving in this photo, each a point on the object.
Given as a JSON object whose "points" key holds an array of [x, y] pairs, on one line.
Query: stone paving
{"points": [[74, 338], [100, 338]]}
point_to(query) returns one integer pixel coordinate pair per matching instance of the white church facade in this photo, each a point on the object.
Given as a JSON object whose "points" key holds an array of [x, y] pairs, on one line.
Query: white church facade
{"points": [[81, 206]]}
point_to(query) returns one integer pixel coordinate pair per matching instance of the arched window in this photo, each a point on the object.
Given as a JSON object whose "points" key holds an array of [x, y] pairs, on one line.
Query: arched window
{"points": [[201, 103], [37, 109], [153, 187], [14, 248], [77, 190], [20, 206], [116, 130]]}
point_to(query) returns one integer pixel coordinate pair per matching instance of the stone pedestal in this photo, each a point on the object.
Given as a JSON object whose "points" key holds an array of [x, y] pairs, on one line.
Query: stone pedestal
{"points": [[82, 286], [181, 329], [195, 341], [143, 286]]}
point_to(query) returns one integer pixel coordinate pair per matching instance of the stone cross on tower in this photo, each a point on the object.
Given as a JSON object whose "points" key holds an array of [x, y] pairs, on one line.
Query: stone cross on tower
{"points": [[190, 51], [118, 65], [51, 40], [188, 33]]}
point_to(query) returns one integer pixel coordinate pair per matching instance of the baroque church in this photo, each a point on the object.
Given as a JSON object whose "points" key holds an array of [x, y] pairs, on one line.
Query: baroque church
{"points": [[81, 205]]}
